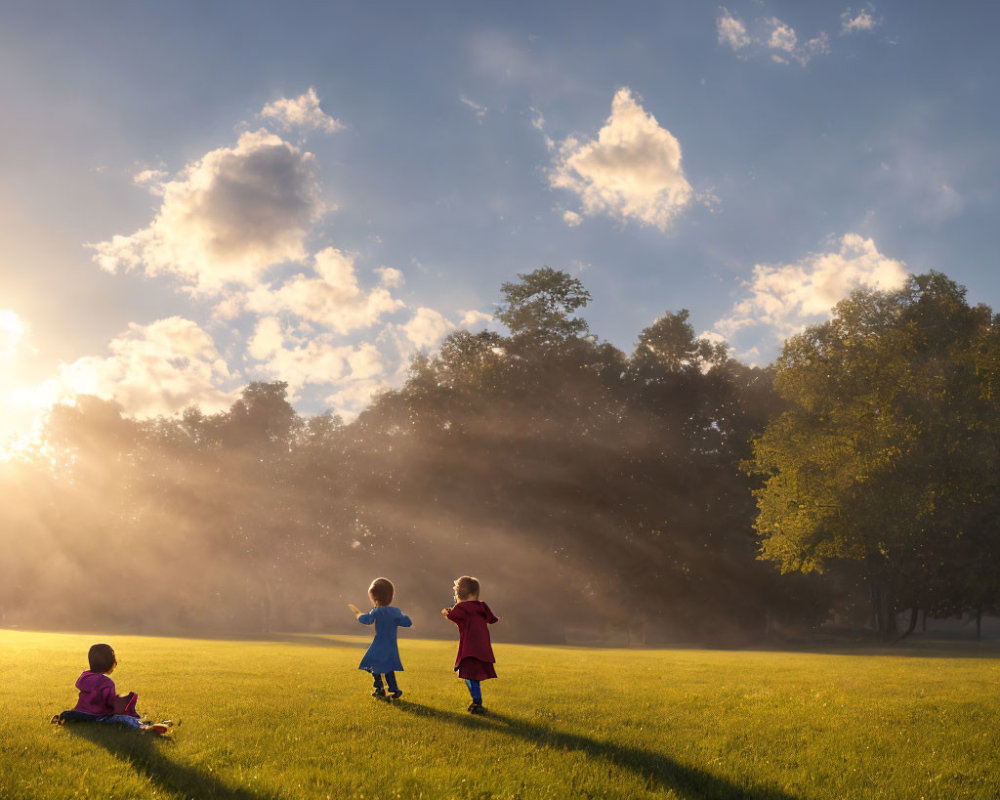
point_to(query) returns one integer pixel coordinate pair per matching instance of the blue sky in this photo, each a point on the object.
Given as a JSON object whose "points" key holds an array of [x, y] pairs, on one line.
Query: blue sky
{"points": [[197, 195]]}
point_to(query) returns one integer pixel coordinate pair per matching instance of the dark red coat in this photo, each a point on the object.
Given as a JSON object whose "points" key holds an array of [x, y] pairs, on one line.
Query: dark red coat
{"points": [[472, 617]]}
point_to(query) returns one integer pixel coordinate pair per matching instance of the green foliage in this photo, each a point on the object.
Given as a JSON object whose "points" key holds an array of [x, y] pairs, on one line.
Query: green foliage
{"points": [[539, 308], [292, 718], [887, 451]]}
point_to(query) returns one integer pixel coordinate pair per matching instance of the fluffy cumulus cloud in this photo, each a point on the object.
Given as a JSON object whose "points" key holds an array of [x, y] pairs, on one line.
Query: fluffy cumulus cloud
{"points": [[226, 218], [473, 317], [390, 278], [788, 297], [154, 369], [768, 36], [854, 21], [427, 328], [299, 360], [302, 112], [631, 171], [333, 299]]}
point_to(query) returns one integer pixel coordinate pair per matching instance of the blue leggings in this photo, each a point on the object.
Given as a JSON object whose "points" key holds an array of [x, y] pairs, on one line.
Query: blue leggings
{"points": [[474, 690], [116, 719], [390, 681]]}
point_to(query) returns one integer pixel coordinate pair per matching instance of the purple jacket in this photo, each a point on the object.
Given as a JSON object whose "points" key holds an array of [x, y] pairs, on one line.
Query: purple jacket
{"points": [[97, 693], [472, 617]]}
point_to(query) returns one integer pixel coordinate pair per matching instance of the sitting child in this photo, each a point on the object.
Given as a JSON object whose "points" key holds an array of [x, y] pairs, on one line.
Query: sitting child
{"points": [[98, 701]]}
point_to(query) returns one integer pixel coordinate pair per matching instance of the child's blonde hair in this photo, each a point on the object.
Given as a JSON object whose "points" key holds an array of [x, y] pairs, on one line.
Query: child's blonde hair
{"points": [[381, 591], [466, 586]]}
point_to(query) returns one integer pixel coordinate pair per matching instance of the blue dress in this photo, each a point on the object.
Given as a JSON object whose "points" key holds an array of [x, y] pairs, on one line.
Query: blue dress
{"points": [[383, 654]]}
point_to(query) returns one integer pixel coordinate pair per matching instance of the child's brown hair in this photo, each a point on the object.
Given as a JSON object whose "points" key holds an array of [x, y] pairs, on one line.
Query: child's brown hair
{"points": [[466, 586], [381, 591], [101, 658]]}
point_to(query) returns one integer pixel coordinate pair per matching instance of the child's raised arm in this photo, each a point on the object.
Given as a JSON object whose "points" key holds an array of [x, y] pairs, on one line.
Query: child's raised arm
{"points": [[355, 610]]}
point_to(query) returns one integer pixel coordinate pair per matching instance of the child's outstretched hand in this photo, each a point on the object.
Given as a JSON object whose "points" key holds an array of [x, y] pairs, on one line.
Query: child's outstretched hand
{"points": [[444, 613], [355, 610]]}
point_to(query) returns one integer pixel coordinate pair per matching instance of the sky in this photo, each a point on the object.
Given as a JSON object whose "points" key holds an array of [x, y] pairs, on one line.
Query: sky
{"points": [[197, 195]]}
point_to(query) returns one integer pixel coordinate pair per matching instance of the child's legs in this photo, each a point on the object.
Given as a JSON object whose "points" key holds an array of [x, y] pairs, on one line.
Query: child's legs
{"points": [[378, 680], [78, 716], [390, 681], [122, 719], [475, 691]]}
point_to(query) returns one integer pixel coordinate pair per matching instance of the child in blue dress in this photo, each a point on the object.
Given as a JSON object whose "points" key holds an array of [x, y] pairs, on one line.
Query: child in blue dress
{"points": [[382, 657]]}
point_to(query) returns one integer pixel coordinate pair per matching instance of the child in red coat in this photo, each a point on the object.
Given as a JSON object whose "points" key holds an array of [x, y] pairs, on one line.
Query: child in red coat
{"points": [[475, 655]]}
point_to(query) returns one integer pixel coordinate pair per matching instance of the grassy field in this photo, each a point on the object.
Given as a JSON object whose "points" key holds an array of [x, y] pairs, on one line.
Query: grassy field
{"points": [[292, 718]]}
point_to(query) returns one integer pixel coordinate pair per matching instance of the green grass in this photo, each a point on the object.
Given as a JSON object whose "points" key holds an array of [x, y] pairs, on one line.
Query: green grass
{"points": [[292, 718]]}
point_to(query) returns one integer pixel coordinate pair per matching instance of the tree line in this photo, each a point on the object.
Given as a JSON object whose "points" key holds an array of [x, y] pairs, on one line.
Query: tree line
{"points": [[670, 493]]}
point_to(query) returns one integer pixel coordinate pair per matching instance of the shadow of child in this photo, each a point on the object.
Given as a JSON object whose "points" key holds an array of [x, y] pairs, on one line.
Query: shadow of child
{"points": [[143, 753], [659, 770]]}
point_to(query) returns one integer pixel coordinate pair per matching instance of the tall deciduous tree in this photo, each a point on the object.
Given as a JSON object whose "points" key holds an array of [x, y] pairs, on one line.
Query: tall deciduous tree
{"points": [[887, 450]]}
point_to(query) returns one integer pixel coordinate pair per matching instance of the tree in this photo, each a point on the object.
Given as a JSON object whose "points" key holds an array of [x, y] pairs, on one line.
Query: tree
{"points": [[538, 310], [887, 443]]}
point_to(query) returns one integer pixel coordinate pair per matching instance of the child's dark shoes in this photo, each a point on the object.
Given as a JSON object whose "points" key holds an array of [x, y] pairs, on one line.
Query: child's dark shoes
{"points": [[396, 694], [476, 708], [379, 693]]}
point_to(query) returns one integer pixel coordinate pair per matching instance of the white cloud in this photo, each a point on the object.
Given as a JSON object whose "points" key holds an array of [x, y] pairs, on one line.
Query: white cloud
{"points": [[851, 22], [731, 30], [390, 278], [572, 219], [819, 46], [473, 317], [365, 361], [782, 36], [478, 109], [352, 398], [631, 171], [152, 179], [315, 359], [154, 369], [226, 218], [427, 328], [768, 36], [787, 298], [302, 112], [334, 300]]}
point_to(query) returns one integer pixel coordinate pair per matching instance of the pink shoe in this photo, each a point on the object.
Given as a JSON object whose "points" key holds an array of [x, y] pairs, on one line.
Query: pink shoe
{"points": [[157, 729]]}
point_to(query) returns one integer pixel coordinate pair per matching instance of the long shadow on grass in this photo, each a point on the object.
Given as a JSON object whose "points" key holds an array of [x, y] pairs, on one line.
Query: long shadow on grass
{"points": [[658, 770], [143, 753]]}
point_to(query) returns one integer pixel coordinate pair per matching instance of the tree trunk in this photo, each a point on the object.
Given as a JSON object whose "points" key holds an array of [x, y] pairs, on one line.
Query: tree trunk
{"points": [[914, 613], [884, 609], [979, 624]]}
